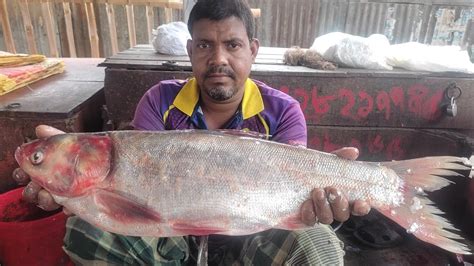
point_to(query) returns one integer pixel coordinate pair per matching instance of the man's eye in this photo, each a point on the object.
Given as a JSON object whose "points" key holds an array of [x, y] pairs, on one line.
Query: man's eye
{"points": [[233, 45], [203, 45]]}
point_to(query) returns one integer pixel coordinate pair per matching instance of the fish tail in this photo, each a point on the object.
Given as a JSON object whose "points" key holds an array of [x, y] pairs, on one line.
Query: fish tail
{"points": [[417, 214]]}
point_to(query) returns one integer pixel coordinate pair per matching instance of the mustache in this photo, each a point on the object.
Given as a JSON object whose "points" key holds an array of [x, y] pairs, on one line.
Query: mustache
{"points": [[220, 70]]}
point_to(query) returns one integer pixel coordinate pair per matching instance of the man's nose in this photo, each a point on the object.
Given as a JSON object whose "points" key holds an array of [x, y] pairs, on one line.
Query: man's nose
{"points": [[219, 57]]}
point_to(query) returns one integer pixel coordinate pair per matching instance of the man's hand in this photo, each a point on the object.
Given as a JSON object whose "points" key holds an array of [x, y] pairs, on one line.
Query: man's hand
{"points": [[329, 204], [33, 192]]}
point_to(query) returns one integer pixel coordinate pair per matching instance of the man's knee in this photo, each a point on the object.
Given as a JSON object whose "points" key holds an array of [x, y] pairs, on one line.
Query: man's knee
{"points": [[318, 245], [86, 244]]}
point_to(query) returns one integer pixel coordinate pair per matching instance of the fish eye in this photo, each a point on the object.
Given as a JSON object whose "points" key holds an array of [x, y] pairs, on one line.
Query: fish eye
{"points": [[37, 157]]}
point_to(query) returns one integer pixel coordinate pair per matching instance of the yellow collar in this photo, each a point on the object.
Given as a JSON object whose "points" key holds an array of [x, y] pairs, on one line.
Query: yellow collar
{"points": [[188, 97]]}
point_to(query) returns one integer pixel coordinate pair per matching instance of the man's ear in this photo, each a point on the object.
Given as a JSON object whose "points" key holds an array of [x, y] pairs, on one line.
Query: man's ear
{"points": [[254, 46], [189, 46]]}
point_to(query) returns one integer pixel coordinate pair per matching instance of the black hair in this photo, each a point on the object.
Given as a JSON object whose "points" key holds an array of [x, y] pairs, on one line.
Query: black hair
{"points": [[221, 9]]}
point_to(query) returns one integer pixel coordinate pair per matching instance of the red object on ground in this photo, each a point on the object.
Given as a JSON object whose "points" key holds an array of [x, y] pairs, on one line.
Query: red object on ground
{"points": [[28, 234]]}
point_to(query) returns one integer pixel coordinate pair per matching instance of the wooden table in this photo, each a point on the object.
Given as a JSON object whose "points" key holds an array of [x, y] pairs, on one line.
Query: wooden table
{"points": [[70, 101], [387, 114]]}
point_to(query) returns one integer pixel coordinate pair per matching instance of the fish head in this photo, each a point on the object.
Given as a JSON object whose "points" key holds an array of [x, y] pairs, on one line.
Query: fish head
{"points": [[67, 164]]}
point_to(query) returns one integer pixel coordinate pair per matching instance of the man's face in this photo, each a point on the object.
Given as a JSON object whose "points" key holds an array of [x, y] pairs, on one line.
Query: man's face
{"points": [[222, 56]]}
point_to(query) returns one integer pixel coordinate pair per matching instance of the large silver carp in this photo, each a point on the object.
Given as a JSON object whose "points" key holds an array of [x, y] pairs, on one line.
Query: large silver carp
{"points": [[173, 183]]}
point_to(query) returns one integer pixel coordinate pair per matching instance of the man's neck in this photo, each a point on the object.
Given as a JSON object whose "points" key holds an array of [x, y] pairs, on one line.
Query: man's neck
{"points": [[217, 115]]}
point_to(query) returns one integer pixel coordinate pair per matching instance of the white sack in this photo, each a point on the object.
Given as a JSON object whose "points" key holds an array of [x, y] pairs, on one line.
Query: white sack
{"points": [[171, 38], [421, 57], [354, 51]]}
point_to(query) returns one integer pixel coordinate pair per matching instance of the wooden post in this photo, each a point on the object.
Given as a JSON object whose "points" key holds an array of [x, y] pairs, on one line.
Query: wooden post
{"points": [[7, 32], [30, 34], [187, 7], [92, 26], [168, 15], [112, 29], [47, 16], [69, 29], [131, 25], [150, 25]]}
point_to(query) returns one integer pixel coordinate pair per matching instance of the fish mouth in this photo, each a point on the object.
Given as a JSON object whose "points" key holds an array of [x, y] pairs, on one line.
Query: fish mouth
{"points": [[18, 155]]}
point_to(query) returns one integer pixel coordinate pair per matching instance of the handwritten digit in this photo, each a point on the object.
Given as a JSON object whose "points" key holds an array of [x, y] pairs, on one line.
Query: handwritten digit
{"points": [[416, 95], [398, 98], [383, 103], [364, 111], [321, 103], [350, 102]]}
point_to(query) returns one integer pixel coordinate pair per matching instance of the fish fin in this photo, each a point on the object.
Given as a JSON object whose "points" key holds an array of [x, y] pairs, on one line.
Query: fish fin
{"points": [[118, 207], [196, 229], [417, 214], [425, 173], [291, 222]]}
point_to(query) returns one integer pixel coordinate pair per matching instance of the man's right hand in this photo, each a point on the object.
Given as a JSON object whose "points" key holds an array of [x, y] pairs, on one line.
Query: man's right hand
{"points": [[33, 192]]}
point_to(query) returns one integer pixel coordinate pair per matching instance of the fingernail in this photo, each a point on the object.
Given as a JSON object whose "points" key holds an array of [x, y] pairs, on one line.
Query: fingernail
{"points": [[331, 197]]}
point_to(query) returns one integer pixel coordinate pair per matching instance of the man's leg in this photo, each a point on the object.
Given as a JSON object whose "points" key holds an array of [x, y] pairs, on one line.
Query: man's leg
{"points": [[88, 245], [316, 246]]}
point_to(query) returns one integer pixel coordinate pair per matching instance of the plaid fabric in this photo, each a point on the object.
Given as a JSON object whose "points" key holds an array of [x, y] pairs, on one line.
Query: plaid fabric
{"points": [[87, 245]]}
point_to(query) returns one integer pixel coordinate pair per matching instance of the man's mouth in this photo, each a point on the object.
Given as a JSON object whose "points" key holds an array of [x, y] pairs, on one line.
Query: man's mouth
{"points": [[217, 75]]}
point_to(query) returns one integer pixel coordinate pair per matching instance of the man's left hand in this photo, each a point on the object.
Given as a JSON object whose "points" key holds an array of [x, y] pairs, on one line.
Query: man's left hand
{"points": [[329, 204]]}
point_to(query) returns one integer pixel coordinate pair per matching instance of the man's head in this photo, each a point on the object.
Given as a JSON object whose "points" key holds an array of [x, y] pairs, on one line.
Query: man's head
{"points": [[222, 48], [221, 9]]}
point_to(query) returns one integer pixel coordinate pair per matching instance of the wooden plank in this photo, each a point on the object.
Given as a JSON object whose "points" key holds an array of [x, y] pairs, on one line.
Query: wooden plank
{"points": [[92, 27], [7, 32], [132, 35], [47, 16], [168, 15], [177, 4], [376, 101], [29, 31], [150, 25], [386, 144], [57, 96], [69, 30], [112, 29], [256, 12]]}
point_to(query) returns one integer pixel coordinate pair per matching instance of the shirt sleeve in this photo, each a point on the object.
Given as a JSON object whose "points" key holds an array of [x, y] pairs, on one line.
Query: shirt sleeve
{"points": [[147, 114], [292, 127]]}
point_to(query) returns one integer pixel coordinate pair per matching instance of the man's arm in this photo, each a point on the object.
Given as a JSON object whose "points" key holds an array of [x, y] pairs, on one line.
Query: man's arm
{"points": [[147, 114]]}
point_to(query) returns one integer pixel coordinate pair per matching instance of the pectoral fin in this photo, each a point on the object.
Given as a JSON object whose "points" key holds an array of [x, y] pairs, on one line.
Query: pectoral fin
{"points": [[123, 209], [196, 229]]}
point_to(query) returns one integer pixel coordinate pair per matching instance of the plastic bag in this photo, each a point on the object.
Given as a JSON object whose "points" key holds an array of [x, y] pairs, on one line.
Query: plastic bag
{"points": [[354, 51], [421, 57], [171, 38]]}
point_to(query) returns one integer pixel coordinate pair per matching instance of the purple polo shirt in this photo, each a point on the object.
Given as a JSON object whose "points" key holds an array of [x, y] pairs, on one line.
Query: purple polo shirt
{"points": [[174, 104]]}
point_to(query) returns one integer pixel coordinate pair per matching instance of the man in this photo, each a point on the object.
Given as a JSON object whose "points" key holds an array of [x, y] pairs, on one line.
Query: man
{"points": [[220, 96]]}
